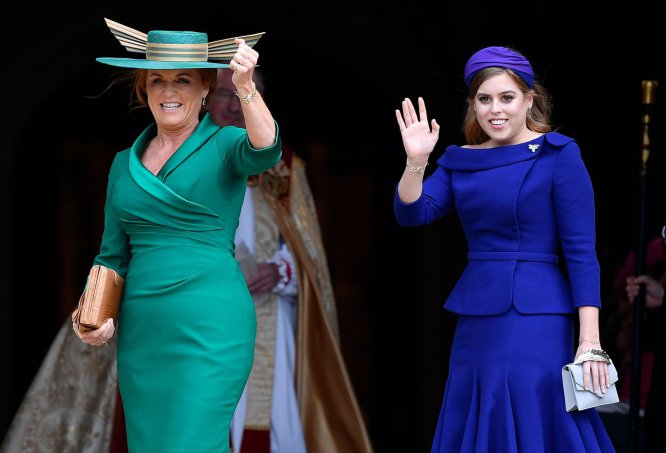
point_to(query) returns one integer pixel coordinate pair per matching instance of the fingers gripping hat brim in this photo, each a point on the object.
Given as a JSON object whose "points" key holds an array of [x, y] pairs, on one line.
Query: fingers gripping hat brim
{"points": [[173, 49]]}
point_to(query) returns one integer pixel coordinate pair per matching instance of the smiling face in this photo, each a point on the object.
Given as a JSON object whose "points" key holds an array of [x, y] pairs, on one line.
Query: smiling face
{"points": [[501, 110], [174, 96]]}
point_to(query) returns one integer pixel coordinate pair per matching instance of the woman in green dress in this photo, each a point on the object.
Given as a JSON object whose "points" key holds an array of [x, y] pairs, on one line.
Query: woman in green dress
{"points": [[187, 323]]}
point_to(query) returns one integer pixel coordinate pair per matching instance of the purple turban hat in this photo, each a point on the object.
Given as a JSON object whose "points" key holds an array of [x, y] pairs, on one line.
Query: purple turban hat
{"points": [[500, 57]]}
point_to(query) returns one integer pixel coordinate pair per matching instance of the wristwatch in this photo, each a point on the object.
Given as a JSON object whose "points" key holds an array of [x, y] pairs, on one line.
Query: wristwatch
{"points": [[248, 97]]}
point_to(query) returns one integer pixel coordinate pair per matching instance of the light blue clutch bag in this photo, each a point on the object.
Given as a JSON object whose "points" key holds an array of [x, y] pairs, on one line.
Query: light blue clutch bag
{"points": [[575, 395]]}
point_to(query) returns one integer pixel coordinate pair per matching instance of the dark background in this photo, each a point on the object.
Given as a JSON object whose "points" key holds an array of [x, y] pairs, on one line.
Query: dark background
{"points": [[334, 74]]}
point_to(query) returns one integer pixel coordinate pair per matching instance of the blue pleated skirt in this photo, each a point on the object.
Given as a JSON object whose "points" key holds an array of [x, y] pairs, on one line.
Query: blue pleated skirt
{"points": [[504, 391]]}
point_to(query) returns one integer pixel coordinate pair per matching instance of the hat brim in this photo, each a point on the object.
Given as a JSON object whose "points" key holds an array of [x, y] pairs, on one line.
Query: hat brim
{"points": [[151, 64]]}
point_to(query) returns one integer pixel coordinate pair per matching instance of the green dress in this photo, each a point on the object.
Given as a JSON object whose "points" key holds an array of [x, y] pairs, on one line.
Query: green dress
{"points": [[187, 323]]}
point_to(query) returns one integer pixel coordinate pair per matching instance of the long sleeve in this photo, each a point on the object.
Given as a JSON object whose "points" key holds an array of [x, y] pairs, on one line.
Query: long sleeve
{"points": [[573, 199], [436, 201], [239, 155], [114, 251]]}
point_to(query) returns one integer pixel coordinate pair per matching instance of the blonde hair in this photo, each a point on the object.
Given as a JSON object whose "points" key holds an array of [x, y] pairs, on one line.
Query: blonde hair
{"points": [[538, 116]]}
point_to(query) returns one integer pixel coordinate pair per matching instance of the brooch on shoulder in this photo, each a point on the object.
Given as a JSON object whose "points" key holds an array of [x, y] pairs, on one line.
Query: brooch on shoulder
{"points": [[533, 147]]}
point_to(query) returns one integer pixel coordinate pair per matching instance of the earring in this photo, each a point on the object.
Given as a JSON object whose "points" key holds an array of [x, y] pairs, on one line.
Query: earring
{"points": [[203, 102]]}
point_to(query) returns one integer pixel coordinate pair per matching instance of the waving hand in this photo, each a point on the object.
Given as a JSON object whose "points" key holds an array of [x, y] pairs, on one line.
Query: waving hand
{"points": [[417, 136]]}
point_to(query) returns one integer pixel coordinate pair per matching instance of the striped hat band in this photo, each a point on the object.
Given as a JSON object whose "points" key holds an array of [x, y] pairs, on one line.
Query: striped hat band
{"points": [[176, 52]]}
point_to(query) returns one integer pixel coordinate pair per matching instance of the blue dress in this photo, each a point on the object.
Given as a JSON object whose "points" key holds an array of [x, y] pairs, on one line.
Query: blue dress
{"points": [[519, 205]]}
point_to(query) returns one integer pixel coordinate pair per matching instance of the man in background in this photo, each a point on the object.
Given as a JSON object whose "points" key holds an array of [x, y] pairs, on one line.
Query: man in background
{"points": [[298, 397]]}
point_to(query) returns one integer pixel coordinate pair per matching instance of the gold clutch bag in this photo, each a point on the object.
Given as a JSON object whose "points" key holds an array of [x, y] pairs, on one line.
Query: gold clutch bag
{"points": [[101, 299]]}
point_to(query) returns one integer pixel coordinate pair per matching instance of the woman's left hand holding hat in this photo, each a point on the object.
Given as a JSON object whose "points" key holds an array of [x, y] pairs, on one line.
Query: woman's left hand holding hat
{"points": [[243, 64]]}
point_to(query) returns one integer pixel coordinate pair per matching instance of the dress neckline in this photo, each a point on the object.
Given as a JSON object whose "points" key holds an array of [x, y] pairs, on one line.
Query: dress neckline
{"points": [[474, 159], [203, 131], [539, 139]]}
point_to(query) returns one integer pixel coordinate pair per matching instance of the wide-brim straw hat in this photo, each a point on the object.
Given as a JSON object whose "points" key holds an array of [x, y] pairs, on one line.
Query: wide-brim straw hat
{"points": [[165, 49]]}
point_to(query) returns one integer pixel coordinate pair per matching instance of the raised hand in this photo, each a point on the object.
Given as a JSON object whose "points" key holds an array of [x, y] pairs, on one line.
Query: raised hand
{"points": [[417, 137], [243, 63]]}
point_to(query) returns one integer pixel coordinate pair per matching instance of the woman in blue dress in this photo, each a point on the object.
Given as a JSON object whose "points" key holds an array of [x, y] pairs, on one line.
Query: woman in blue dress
{"points": [[522, 193]]}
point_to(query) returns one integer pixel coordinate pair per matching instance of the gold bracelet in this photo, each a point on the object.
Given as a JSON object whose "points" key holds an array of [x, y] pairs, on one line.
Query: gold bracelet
{"points": [[248, 97], [588, 341], [414, 169]]}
